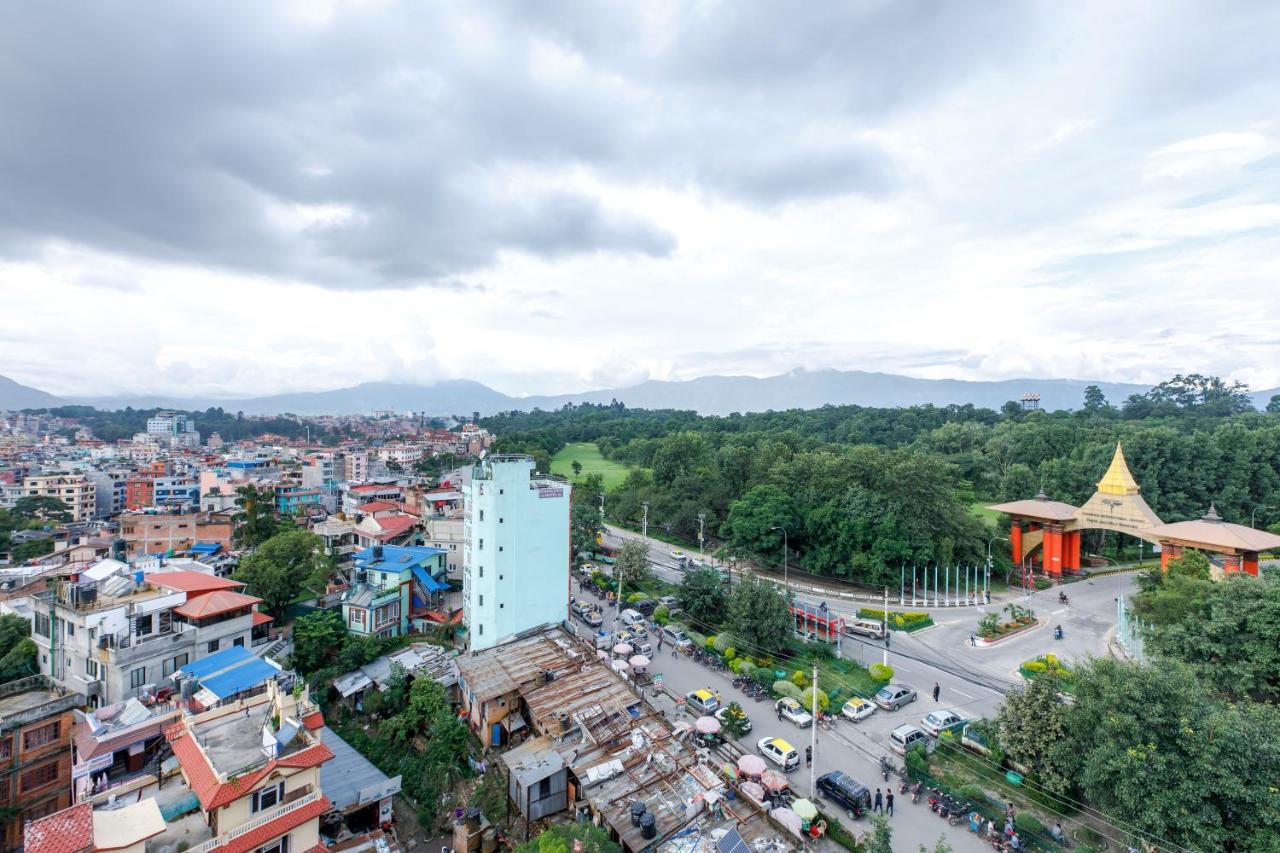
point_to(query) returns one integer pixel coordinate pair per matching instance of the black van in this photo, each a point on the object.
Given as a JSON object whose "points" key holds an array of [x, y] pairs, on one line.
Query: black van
{"points": [[846, 792]]}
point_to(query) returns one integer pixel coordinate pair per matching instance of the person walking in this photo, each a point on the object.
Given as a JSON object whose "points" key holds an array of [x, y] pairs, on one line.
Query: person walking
{"points": [[888, 804], [936, 691], [808, 756], [878, 805]]}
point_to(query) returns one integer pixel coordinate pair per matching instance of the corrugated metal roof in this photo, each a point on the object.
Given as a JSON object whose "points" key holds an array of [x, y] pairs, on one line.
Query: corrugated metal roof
{"points": [[344, 776], [249, 674]]}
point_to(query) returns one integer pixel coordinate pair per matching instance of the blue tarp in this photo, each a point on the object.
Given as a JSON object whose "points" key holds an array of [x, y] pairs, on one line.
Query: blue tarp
{"points": [[429, 583], [206, 548], [249, 674], [216, 662]]}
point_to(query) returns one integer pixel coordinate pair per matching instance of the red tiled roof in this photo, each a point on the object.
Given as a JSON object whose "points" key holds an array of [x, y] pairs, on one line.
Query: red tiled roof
{"points": [[214, 794], [313, 721], [213, 603], [67, 831], [259, 836], [377, 506], [192, 581], [261, 618], [374, 487], [394, 525]]}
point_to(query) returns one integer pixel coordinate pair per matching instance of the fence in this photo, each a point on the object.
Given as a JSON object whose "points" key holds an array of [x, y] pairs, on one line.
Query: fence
{"points": [[1129, 633]]}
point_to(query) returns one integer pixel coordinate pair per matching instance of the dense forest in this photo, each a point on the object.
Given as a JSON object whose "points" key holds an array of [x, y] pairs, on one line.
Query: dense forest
{"points": [[232, 426], [859, 490]]}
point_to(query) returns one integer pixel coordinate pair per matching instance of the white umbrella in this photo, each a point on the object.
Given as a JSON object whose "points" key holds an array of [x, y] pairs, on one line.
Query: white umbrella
{"points": [[751, 765], [707, 725], [623, 649], [750, 789], [639, 661], [806, 809], [789, 819], [621, 665], [602, 654], [773, 780]]}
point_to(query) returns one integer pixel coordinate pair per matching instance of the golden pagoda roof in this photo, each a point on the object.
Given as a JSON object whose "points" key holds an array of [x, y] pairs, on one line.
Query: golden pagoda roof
{"points": [[1118, 480]]}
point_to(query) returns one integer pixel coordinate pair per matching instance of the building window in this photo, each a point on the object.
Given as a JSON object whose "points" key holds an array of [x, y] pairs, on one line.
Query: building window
{"points": [[213, 645], [238, 641], [39, 777], [91, 668], [42, 624], [482, 515], [480, 630], [41, 736], [267, 798], [6, 748], [499, 547], [482, 601], [71, 629], [174, 664], [280, 845], [138, 677], [481, 544], [482, 571]]}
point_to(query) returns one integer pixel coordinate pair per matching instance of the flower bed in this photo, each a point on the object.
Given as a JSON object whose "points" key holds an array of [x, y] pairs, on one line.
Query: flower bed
{"points": [[898, 621], [1016, 618]]}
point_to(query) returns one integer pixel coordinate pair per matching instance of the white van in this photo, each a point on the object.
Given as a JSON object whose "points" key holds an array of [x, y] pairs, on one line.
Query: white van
{"points": [[676, 637], [631, 618], [866, 627]]}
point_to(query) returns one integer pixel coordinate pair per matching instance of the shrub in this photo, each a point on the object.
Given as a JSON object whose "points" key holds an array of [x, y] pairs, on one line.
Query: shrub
{"points": [[806, 699], [662, 614], [786, 688], [730, 653], [636, 596], [723, 641], [1034, 666], [898, 621], [1027, 822], [1041, 583], [974, 793], [800, 679], [917, 762], [880, 672], [762, 676], [709, 644]]}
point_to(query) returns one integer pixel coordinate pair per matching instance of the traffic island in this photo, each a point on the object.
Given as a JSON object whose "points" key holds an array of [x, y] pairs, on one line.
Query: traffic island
{"points": [[1009, 622]]}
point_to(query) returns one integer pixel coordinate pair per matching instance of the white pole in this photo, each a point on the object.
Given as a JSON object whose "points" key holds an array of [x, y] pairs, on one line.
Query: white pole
{"points": [[813, 735], [946, 586], [913, 584], [902, 584], [885, 625], [644, 524]]}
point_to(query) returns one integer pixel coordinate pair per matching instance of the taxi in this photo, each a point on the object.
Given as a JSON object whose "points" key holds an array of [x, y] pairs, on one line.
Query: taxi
{"points": [[790, 709], [703, 701], [780, 752], [857, 709]]}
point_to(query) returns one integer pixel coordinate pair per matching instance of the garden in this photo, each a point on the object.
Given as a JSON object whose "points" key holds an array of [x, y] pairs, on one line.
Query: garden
{"points": [[1012, 619], [898, 621], [1047, 663]]}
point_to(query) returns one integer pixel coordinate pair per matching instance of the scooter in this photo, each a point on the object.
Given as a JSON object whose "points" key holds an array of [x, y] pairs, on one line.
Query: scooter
{"points": [[1062, 598], [903, 786], [885, 767], [915, 793], [1057, 632]]}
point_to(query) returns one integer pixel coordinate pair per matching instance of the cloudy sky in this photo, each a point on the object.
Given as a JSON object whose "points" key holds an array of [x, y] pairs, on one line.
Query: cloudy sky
{"points": [[246, 197]]}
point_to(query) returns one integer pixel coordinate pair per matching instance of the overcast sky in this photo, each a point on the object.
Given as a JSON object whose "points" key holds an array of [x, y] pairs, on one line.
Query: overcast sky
{"points": [[245, 197]]}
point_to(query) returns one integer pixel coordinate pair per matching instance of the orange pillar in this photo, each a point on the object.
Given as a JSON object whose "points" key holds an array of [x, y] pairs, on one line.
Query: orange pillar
{"points": [[1230, 564], [1250, 562], [1075, 550], [1015, 542], [1053, 550], [1168, 552]]}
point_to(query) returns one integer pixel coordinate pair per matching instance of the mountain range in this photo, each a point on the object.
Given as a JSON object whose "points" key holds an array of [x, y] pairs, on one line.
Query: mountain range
{"points": [[709, 395]]}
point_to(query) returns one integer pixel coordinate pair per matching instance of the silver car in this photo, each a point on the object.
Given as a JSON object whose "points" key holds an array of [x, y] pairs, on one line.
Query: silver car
{"points": [[891, 697]]}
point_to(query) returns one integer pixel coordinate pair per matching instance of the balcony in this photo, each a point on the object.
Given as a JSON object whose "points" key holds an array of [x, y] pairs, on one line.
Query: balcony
{"points": [[307, 797]]}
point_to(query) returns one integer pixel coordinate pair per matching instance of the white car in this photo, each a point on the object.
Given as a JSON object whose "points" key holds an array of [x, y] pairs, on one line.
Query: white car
{"points": [[780, 752], [936, 722], [790, 709], [857, 709], [678, 554]]}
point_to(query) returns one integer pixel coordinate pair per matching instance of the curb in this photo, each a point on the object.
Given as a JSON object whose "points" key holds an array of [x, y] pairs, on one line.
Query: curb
{"points": [[1039, 623]]}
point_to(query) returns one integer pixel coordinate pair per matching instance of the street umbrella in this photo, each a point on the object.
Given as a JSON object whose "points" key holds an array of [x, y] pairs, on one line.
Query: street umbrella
{"points": [[751, 765], [681, 728], [806, 809], [773, 781], [707, 725], [620, 665], [639, 661], [602, 654], [623, 649], [751, 790], [789, 819]]}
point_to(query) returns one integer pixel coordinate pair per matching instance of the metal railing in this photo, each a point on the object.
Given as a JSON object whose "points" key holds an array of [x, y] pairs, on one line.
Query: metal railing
{"points": [[260, 820]]}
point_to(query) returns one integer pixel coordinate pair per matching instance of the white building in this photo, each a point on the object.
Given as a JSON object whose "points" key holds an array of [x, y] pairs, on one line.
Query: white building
{"points": [[173, 429], [516, 550]]}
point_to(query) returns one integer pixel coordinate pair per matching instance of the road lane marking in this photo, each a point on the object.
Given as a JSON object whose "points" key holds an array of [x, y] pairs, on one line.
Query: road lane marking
{"points": [[962, 693]]}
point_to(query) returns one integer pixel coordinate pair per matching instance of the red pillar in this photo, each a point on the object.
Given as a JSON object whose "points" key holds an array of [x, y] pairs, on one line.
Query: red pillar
{"points": [[1015, 542], [1250, 562], [1053, 550], [1230, 564], [1168, 552]]}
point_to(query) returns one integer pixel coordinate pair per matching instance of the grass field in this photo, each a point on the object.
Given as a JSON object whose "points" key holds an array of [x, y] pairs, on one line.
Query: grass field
{"points": [[979, 508], [588, 455]]}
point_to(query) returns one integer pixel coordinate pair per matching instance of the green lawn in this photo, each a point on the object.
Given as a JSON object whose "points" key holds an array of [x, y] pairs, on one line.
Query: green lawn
{"points": [[979, 508], [588, 455]]}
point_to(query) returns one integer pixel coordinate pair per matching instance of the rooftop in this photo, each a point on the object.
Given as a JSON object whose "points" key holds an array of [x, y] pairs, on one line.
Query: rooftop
{"points": [[214, 603], [1038, 507], [348, 773], [233, 742], [29, 699], [1213, 531]]}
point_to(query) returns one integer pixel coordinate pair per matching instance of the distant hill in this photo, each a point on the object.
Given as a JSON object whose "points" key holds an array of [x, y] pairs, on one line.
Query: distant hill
{"points": [[17, 396], [709, 395]]}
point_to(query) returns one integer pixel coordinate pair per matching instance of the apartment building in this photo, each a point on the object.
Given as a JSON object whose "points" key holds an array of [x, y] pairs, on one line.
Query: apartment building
{"points": [[74, 490], [388, 584], [116, 633], [173, 429], [516, 555], [446, 534], [35, 753], [150, 532]]}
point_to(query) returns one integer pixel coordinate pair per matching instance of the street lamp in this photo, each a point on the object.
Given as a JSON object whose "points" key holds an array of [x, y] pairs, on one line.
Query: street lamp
{"points": [[785, 585], [1253, 515], [986, 584]]}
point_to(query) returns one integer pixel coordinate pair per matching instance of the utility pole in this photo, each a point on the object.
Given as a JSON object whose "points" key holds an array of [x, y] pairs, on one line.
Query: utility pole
{"points": [[702, 520], [913, 584], [902, 584], [813, 735], [644, 524], [884, 625], [602, 510], [946, 585]]}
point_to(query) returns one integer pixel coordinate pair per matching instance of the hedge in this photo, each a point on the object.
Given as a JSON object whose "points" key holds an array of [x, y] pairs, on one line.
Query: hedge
{"points": [[898, 621], [786, 688], [806, 699], [724, 641], [880, 672], [1027, 822]]}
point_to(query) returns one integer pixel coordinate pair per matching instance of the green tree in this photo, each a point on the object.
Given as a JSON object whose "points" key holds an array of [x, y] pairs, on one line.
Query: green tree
{"points": [[257, 522], [1273, 405], [317, 638], [20, 661], [1094, 400], [577, 468], [584, 524], [881, 840], [44, 507], [734, 722], [1032, 726], [25, 551], [560, 837], [631, 567], [752, 521], [12, 629], [702, 595], [760, 614], [282, 566]]}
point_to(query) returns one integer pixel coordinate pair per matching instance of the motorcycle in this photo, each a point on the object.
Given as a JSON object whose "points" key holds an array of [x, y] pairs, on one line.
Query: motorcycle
{"points": [[885, 767], [1057, 632], [903, 786], [1062, 598], [915, 793]]}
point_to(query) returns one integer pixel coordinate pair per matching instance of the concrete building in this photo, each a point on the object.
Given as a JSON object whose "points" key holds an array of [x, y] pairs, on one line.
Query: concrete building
{"points": [[35, 753], [447, 535], [388, 584], [515, 573], [109, 486], [74, 490], [116, 633], [173, 429], [157, 533]]}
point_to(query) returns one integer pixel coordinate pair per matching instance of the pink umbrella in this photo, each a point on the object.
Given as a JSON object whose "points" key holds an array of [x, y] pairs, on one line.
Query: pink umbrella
{"points": [[639, 661], [623, 649], [751, 790], [707, 725], [602, 654], [789, 819], [621, 665], [773, 780], [681, 728], [751, 765]]}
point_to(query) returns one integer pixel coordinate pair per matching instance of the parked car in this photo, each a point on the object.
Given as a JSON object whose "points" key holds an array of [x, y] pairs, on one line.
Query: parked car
{"points": [[674, 636], [780, 752], [645, 606], [724, 712], [845, 791], [866, 627], [903, 738], [857, 709], [670, 602], [678, 554], [891, 697], [936, 722], [642, 646], [790, 709], [580, 607], [631, 618], [703, 701], [593, 618]]}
